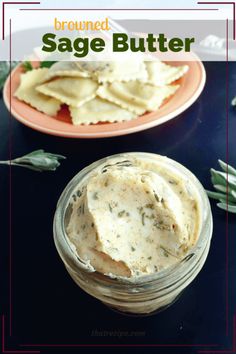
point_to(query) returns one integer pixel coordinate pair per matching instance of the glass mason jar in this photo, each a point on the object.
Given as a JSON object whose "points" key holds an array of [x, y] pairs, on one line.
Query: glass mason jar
{"points": [[148, 293]]}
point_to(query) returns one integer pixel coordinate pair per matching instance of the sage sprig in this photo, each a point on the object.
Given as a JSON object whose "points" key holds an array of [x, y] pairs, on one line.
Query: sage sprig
{"points": [[5, 67], [224, 183], [38, 160]]}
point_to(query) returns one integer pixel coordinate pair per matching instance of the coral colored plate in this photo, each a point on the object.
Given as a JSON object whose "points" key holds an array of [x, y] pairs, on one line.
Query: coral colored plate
{"points": [[191, 85]]}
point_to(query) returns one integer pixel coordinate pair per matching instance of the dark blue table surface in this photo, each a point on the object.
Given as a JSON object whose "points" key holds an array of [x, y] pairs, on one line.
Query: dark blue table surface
{"points": [[47, 306]]}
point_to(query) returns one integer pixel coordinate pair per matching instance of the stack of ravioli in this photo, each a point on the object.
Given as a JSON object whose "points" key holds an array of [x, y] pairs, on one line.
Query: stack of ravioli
{"points": [[100, 91]]}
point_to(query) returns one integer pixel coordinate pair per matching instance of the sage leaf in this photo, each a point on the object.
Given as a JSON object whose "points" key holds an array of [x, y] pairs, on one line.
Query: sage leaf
{"points": [[5, 68], [230, 208], [46, 64], [233, 193], [223, 165], [223, 178], [225, 186], [38, 160], [220, 188], [220, 196], [27, 65], [216, 178], [233, 102]]}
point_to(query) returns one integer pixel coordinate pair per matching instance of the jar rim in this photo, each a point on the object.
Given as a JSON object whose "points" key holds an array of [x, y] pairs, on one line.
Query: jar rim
{"points": [[182, 267]]}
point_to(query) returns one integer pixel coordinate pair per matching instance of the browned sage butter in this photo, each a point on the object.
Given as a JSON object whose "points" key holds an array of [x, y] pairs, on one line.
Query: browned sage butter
{"points": [[133, 216]]}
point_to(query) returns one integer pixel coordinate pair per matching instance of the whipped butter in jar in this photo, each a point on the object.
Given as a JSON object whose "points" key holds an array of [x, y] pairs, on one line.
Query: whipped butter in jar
{"points": [[133, 230]]}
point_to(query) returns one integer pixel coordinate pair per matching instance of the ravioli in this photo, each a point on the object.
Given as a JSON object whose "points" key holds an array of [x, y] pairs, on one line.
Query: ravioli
{"points": [[100, 91], [27, 92], [110, 71], [136, 96], [70, 90], [160, 74], [65, 68], [99, 110]]}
